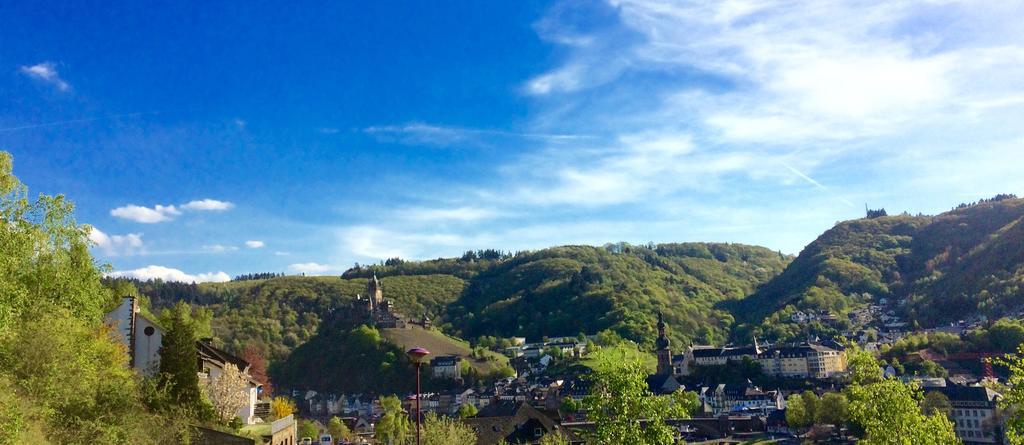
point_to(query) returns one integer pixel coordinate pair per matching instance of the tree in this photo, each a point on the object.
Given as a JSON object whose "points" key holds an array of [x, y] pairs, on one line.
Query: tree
{"points": [[936, 402], [1013, 397], [620, 400], [467, 410], [307, 428], [888, 411], [178, 369], [281, 407], [45, 256], [832, 409], [258, 367], [393, 426], [338, 429], [446, 431], [811, 403], [553, 439], [796, 412], [228, 392]]}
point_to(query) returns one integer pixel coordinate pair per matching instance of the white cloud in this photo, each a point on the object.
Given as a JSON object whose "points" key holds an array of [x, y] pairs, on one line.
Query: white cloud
{"points": [[146, 215], [219, 248], [418, 133], [281, 253], [116, 245], [208, 205], [311, 268], [46, 72], [168, 274], [254, 244], [462, 214]]}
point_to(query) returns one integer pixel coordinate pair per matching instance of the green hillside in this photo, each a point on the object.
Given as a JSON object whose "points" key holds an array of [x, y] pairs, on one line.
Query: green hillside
{"points": [[960, 263], [439, 344]]}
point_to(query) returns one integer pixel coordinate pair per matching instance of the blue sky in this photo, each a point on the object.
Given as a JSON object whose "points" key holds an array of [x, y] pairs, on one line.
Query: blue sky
{"points": [[211, 139]]}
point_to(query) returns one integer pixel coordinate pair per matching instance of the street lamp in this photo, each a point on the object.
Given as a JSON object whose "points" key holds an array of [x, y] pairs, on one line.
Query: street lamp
{"points": [[416, 355]]}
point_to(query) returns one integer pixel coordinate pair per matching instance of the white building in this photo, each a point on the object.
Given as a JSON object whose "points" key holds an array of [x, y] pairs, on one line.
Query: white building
{"points": [[144, 338], [446, 367], [139, 333]]}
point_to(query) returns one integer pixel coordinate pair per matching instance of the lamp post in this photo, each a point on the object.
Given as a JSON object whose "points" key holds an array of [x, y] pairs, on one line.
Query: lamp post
{"points": [[416, 355]]}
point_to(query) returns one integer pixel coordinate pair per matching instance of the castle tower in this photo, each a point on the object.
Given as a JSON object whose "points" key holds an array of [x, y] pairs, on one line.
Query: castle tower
{"points": [[374, 292], [663, 352]]}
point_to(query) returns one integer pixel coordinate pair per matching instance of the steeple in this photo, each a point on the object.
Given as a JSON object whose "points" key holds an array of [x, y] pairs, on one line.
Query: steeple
{"points": [[663, 351]]}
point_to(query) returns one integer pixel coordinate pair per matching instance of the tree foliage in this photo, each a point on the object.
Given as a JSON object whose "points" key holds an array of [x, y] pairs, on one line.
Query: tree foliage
{"points": [[393, 426], [281, 407], [1013, 396], [227, 392], [624, 411], [888, 411], [446, 431], [338, 429]]}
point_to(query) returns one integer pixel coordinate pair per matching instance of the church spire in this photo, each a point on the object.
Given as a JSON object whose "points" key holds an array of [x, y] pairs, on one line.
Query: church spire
{"points": [[663, 352]]}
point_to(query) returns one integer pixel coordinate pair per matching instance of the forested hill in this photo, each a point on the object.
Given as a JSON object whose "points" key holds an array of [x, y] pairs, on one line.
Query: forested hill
{"points": [[557, 291], [933, 269]]}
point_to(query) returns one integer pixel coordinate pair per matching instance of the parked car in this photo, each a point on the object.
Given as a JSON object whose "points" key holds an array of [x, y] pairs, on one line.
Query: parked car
{"points": [[326, 439], [306, 441]]}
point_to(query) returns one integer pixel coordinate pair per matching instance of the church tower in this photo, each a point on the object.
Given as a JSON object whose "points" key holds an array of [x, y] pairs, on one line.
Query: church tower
{"points": [[664, 353]]}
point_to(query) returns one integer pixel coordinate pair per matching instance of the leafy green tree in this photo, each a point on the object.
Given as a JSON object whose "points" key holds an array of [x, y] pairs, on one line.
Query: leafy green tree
{"points": [[446, 431], [467, 410], [936, 403], [45, 257], [833, 409], [620, 399], [178, 366], [393, 426], [308, 428], [1013, 397], [338, 429], [796, 412], [553, 439], [888, 411], [811, 402]]}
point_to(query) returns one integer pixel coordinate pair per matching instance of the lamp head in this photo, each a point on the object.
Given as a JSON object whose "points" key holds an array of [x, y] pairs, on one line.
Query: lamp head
{"points": [[416, 355]]}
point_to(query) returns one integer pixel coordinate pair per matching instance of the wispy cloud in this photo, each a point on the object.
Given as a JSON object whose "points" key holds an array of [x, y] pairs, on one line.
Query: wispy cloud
{"points": [[459, 214], [254, 244], [154, 272], [312, 268], [46, 72], [445, 136], [208, 205], [161, 213], [146, 215], [219, 248], [117, 245]]}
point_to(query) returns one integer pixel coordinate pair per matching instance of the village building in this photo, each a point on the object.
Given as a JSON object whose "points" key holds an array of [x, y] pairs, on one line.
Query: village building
{"points": [[805, 360], [515, 422], [742, 398], [144, 338], [973, 413], [446, 367]]}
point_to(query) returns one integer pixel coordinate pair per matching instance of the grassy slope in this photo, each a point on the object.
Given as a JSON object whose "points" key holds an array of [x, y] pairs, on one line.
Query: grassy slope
{"points": [[439, 344]]}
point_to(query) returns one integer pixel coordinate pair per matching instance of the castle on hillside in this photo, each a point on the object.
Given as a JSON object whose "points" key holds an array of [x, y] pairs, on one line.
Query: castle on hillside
{"points": [[374, 310]]}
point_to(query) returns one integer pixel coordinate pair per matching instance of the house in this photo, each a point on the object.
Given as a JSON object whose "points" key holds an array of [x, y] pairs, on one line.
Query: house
{"points": [[515, 422], [663, 384], [144, 338], [211, 364], [142, 335], [742, 398], [973, 413], [446, 367]]}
